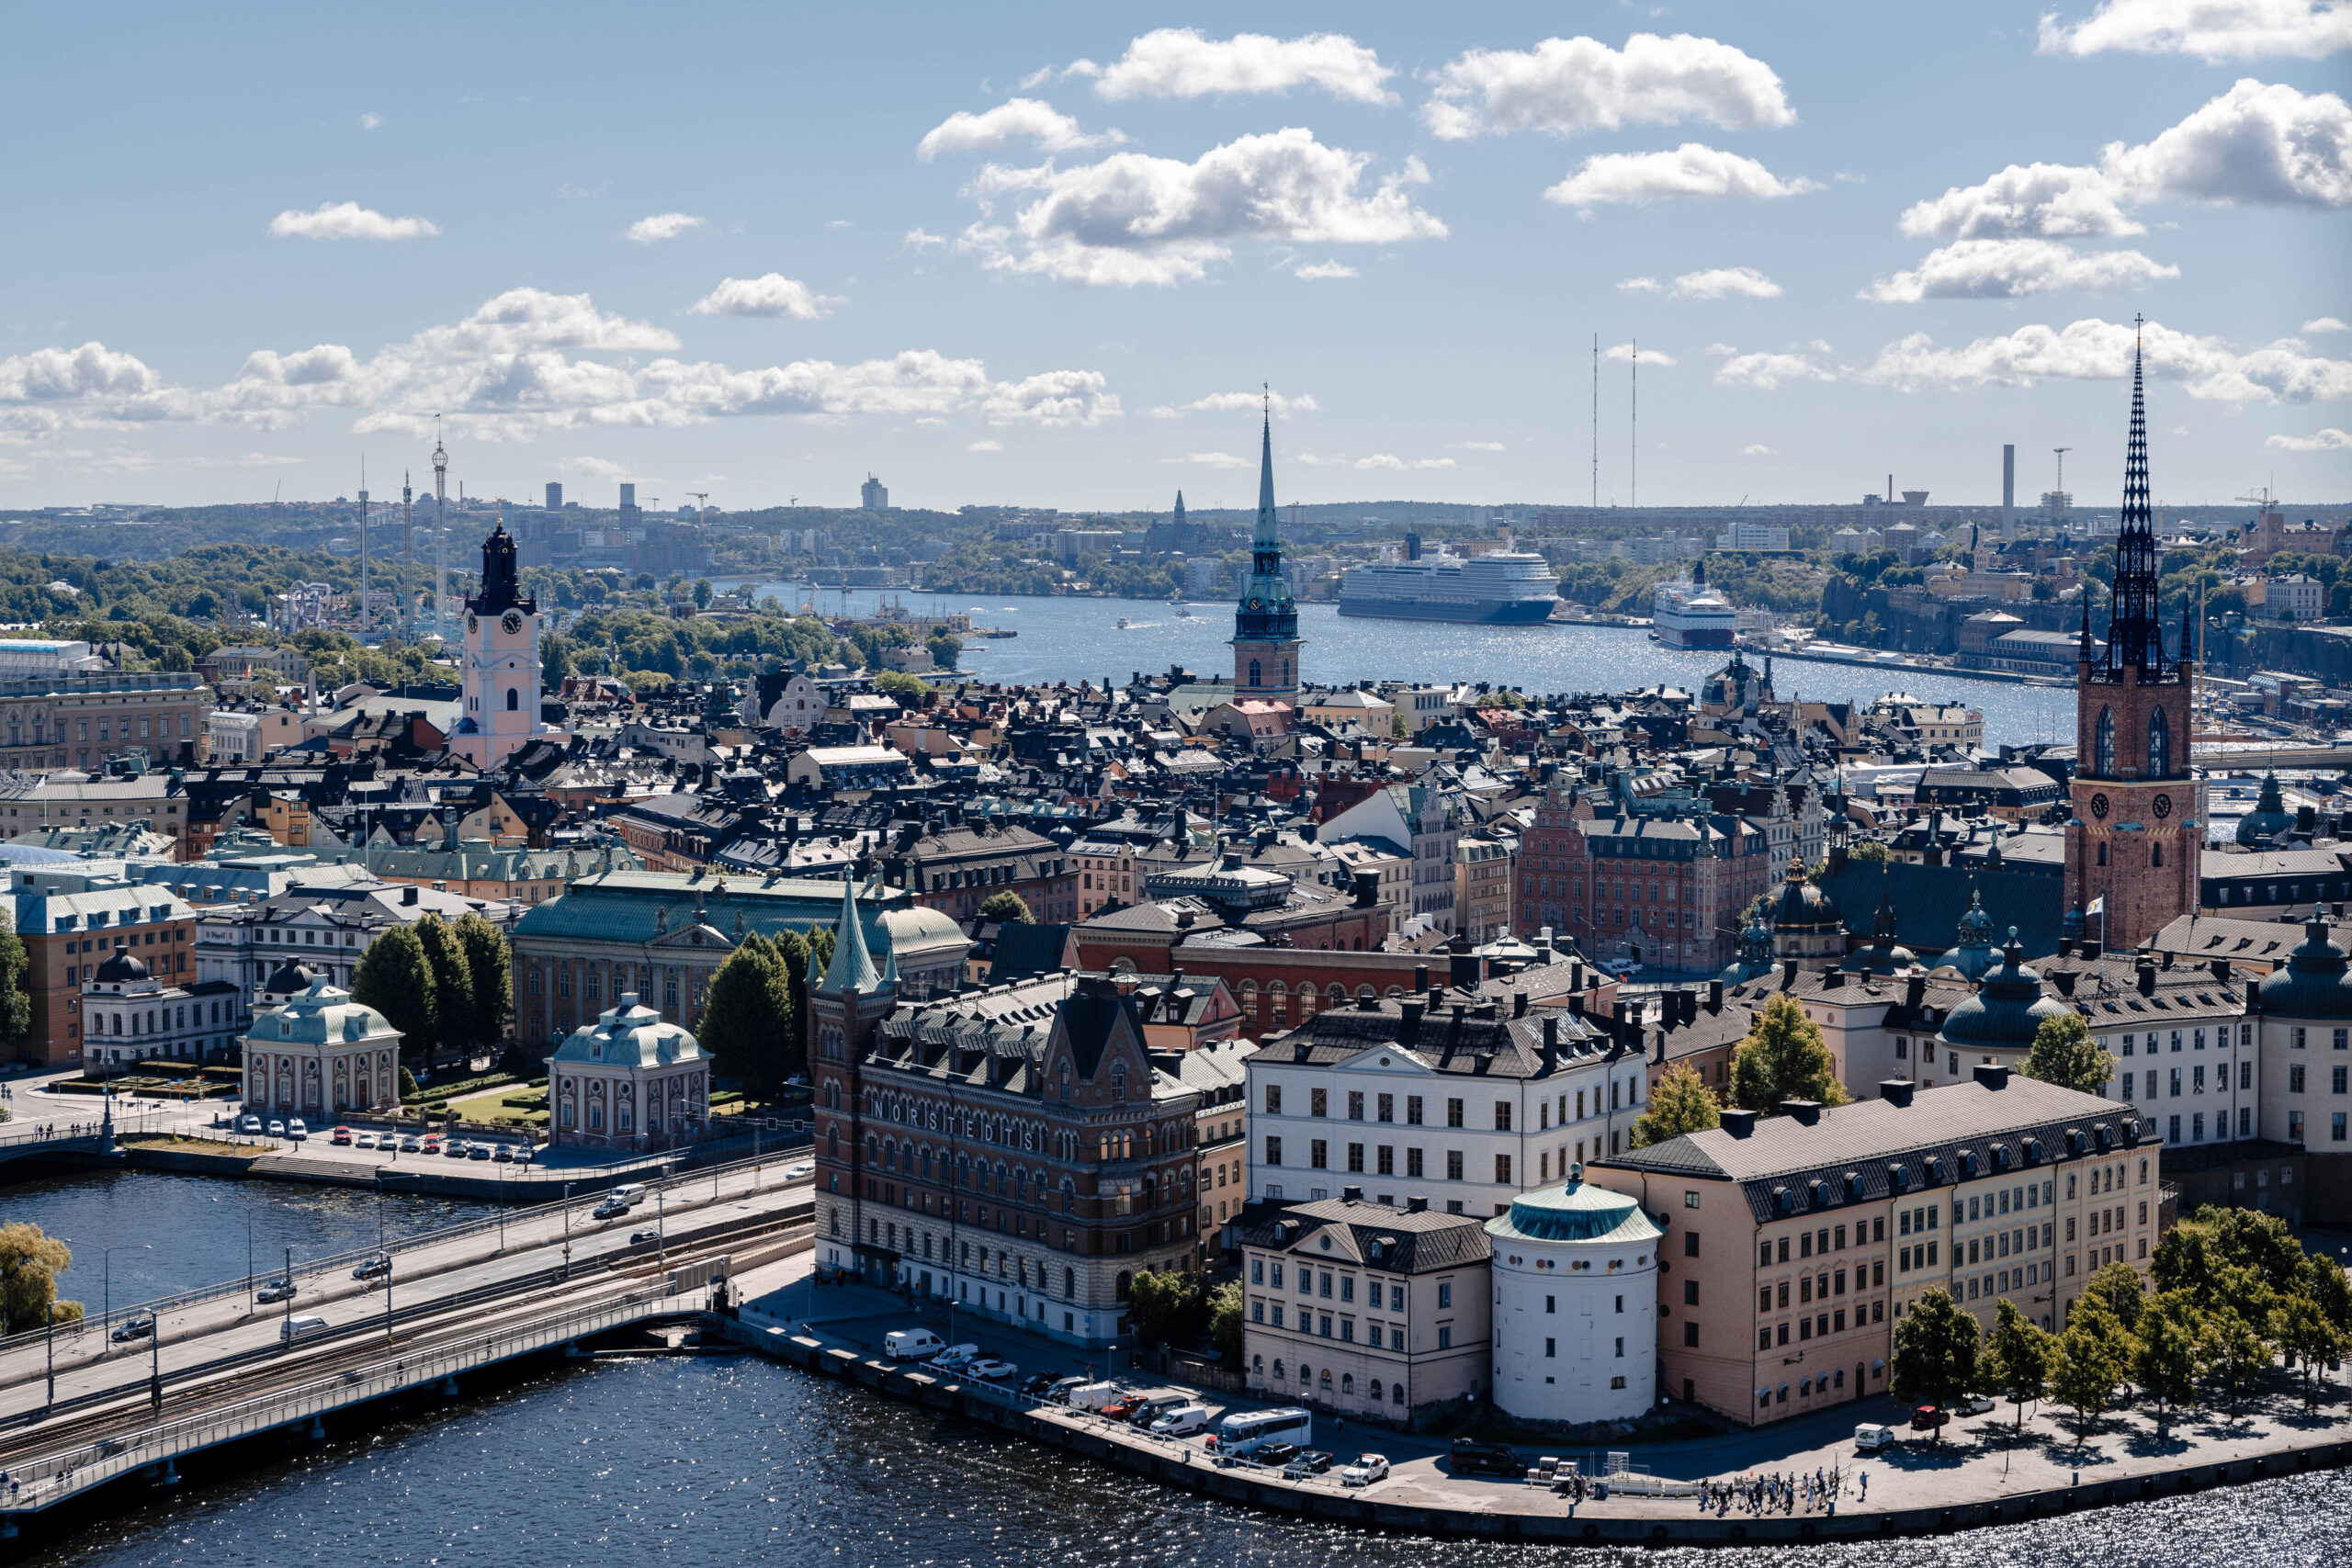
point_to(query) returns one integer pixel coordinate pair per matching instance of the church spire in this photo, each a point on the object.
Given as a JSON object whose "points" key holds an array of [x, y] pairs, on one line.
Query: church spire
{"points": [[851, 971], [1264, 534], [2135, 637]]}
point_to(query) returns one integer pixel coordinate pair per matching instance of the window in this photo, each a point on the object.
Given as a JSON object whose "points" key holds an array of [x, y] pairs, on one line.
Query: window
{"points": [[1318, 1154], [1446, 1295], [1454, 1114], [1454, 1164], [1502, 1170], [1502, 1116], [1275, 1101], [1355, 1105], [1274, 1151], [1318, 1102], [2106, 746], [2159, 754], [1412, 1110]]}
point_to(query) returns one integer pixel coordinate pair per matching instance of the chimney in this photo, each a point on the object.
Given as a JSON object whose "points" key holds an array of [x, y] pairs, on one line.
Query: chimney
{"points": [[1465, 969], [1896, 1091], [2064, 979], [1788, 973], [1738, 1124], [1575, 975], [408, 894], [2147, 976], [1417, 1205], [2221, 969], [1551, 1040], [1351, 1194], [1714, 996], [1421, 977], [1805, 1112], [1518, 1004], [2065, 947], [2091, 950], [1992, 1075], [1409, 1032], [1834, 980], [1914, 991]]}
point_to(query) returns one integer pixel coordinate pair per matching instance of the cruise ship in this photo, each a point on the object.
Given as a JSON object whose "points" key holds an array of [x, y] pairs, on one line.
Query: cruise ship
{"points": [[1691, 614], [1500, 588]]}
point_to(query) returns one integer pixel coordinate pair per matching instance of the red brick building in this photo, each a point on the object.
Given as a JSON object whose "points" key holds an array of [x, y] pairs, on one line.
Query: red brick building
{"points": [[1651, 884]]}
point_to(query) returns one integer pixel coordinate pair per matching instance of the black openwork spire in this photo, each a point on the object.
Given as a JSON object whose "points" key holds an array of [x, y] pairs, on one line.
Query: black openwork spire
{"points": [[2134, 637], [502, 587]]}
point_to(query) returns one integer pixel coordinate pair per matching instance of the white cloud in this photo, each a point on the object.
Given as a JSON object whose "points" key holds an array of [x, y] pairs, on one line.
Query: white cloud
{"points": [[2091, 349], [371, 121], [2255, 145], [1282, 404], [921, 239], [348, 220], [1212, 459], [1767, 372], [600, 468], [2009, 269], [2326, 325], [1133, 219], [1058, 397], [838, 224], [1386, 460], [1020, 119], [1726, 283], [1622, 353], [1640, 285], [2328, 440], [985, 447], [2212, 30], [1321, 460], [663, 226], [1179, 63], [1478, 445], [771, 294], [1721, 350], [1315, 271], [1564, 87], [1758, 450], [249, 460], [1691, 170]]}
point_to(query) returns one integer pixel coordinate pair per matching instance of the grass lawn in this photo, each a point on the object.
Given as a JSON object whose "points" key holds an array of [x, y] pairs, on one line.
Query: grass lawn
{"points": [[491, 1105]]}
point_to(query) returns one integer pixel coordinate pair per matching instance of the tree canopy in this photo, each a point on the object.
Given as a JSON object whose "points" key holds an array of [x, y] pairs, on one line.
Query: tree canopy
{"points": [[395, 979], [2065, 1053], [1935, 1353], [1783, 1058], [30, 1261], [1681, 1103]]}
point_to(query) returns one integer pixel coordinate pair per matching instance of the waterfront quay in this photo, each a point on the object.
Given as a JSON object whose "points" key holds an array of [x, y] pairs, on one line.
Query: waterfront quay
{"points": [[1984, 1471]]}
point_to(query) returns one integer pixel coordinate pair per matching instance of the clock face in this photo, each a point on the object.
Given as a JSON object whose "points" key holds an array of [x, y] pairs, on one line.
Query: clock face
{"points": [[2098, 806], [1257, 605], [512, 621], [2163, 805], [473, 624]]}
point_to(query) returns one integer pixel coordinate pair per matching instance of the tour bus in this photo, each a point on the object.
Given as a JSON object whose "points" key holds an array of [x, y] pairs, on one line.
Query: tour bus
{"points": [[1238, 1435]]}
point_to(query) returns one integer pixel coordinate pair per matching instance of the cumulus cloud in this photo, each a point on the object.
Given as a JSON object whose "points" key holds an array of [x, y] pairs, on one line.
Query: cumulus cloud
{"points": [[1282, 403], [1181, 62], [1757, 450], [2326, 325], [920, 239], [1132, 219], [1315, 271], [2008, 269], [1640, 285], [1021, 120], [1691, 170], [371, 121], [2206, 367], [348, 220], [600, 468], [2211, 30], [2258, 144], [985, 447], [1768, 372], [771, 294], [2327, 440], [1476, 445], [1726, 283], [529, 362], [1622, 353], [663, 226], [1389, 460], [1211, 459], [1564, 87]]}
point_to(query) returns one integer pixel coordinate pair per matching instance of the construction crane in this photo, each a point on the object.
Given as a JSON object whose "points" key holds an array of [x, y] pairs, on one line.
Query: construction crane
{"points": [[701, 496], [2061, 451]]}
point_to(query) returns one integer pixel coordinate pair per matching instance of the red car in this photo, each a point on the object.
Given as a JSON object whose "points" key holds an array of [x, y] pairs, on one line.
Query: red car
{"points": [[342, 1137], [1122, 1409], [1928, 1418]]}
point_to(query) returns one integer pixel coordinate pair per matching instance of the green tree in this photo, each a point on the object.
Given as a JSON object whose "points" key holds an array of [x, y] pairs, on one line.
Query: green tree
{"points": [[2016, 1359], [453, 986], [2165, 1363], [2119, 1290], [15, 1001], [408, 1084], [792, 960], [2233, 1352], [1005, 905], [901, 684], [702, 594], [1935, 1353], [746, 1018], [2304, 1332], [1869, 848], [1783, 1059], [395, 979], [1167, 1307], [2325, 1287], [2091, 1357], [2063, 1052], [490, 974], [30, 1261], [1226, 1323], [1681, 1103]]}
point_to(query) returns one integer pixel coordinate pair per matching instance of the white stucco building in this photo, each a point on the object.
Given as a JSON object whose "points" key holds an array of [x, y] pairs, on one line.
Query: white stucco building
{"points": [[1576, 1305], [629, 1081], [321, 1055]]}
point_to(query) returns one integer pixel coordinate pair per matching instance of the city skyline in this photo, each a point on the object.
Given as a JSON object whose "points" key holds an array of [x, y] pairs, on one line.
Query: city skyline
{"points": [[1047, 258]]}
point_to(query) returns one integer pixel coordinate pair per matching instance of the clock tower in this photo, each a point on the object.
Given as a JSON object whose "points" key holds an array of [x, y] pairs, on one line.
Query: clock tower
{"points": [[1265, 621], [499, 664], [2133, 844]]}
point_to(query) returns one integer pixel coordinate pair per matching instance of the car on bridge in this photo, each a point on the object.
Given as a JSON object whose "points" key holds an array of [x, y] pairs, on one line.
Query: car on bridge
{"points": [[610, 1208], [800, 1170], [133, 1328], [373, 1268], [276, 1290]]}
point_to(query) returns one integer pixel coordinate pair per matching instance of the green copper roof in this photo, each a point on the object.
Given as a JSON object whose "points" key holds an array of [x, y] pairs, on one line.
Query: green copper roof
{"points": [[2314, 984], [852, 970], [1575, 1211], [2007, 1009]]}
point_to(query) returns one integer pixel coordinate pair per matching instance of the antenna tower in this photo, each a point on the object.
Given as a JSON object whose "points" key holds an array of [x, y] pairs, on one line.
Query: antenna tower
{"points": [[362, 545], [440, 532], [407, 612], [1596, 422], [1633, 474]]}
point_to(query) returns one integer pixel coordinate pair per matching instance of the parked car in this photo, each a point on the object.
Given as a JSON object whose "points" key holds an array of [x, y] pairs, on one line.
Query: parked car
{"points": [[454, 1149], [340, 1137], [1928, 1418], [955, 1357], [899, 1344], [1080, 1394], [248, 1124], [296, 1129], [1869, 1439], [409, 1143], [277, 1129], [1470, 1457], [505, 1154], [1306, 1463], [368, 1141], [523, 1155], [276, 1290], [1121, 1409], [131, 1328], [1273, 1454], [1367, 1469], [478, 1151], [988, 1369], [1180, 1422], [373, 1268], [1975, 1403], [1054, 1390]]}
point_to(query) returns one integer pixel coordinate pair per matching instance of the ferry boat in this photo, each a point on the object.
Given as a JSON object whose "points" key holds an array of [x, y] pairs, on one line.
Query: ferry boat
{"points": [[1691, 614], [1500, 588]]}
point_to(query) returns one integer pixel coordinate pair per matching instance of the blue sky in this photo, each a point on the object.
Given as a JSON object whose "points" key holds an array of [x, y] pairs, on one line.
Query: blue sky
{"points": [[754, 250]]}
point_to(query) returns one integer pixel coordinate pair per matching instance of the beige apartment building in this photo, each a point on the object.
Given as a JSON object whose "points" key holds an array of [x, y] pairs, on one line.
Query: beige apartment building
{"points": [[1804, 1238]]}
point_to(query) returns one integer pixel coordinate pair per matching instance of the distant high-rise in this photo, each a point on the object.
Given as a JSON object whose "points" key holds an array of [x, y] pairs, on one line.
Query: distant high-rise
{"points": [[554, 498], [872, 496], [2009, 491], [628, 495]]}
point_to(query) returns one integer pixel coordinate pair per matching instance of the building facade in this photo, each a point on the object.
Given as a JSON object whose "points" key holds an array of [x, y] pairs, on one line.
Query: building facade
{"points": [[321, 1055], [1575, 1271], [77, 720], [630, 1081], [71, 918]]}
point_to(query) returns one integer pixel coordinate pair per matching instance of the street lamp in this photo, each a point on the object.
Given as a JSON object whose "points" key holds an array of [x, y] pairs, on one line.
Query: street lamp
{"points": [[567, 1232], [107, 1315]]}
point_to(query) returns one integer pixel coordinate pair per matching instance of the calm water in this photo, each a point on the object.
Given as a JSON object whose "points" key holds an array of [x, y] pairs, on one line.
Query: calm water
{"points": [[1075, 639], [742, 1462], [196, 1228]]}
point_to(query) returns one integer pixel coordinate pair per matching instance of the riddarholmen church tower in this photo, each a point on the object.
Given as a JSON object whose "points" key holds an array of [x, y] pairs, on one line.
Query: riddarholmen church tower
{"points": [[499, 664], [2136, 839], [1265, 621]]}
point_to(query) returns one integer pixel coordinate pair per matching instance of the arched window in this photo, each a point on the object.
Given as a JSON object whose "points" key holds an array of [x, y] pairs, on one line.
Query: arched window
{"points": [[1324, 1382], [1069, 1283], [2106, 750], [1396, 1395], [2155, 854], [1278, 1366], [1376, 1394], [1346, 1382], [2159, 745], [1253, 673], [1126, 1280], [2102, 854], [514, 699]]}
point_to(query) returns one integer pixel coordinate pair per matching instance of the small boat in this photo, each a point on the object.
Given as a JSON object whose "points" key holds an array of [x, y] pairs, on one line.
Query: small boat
{"points": [[1186, 611], [1123, 622]]}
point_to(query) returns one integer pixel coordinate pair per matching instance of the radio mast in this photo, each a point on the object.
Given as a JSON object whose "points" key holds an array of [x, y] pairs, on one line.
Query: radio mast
{"points": [[440, 531]]}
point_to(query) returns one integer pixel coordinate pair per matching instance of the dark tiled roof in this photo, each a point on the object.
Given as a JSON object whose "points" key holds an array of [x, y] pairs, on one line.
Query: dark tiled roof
{"points": [[1404, 1241], [1929, 901]]}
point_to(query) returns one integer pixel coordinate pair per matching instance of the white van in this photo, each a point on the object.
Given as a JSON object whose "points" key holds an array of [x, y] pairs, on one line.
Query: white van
{"points": [[900, 1343], [1870, 1440], [1091, 1396], [1180, 1422], [300, 1327], [631, 1195], [1240, 1436]]}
